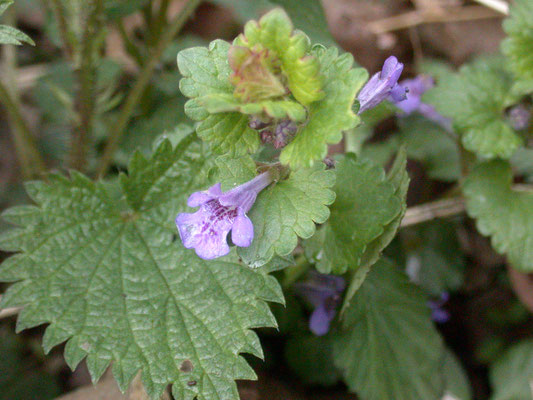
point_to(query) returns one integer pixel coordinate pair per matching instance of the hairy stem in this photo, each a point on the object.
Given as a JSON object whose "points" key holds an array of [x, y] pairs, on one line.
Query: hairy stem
{"points": [[85, 99], [140, 85], [436, 209], [28, 156], [59, 15]]}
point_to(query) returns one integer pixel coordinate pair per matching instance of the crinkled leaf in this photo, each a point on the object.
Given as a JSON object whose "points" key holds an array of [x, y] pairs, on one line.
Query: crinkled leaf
{"points": [[400, 180], [512, 374], [112, 279], [388, 347], [232, 172], [332, 115], [430, 144], [116, 9], [274, 31], [476, 98], [288, 210], [367, 206], [518, 46], [502, 213]]}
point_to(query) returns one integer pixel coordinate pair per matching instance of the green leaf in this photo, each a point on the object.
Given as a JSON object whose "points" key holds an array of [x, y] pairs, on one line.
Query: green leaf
{"points": [[116, 9], [388, 347], [476, 99], [331, 116], [522, 162], [288, 210], [430, 144], [275, 32], [311, 358], [457, 385], [21, 378], [502, 213], [10, 35], [434, 257], [368, 205], [518, 46], [109, 275], [232, 172], [512, 375]]}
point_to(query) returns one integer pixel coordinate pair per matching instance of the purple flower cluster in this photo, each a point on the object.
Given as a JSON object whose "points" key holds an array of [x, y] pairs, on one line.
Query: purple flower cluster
{"points": [[382, 85], [207, 229], [438, 313], [323, 292], [416, 87]]}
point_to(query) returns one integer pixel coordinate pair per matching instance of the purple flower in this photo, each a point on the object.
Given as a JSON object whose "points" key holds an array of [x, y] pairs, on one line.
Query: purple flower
{"points": [[323, 292], [382, 85], [438, 314], [416, 87], [520, 116], [207, 229]]}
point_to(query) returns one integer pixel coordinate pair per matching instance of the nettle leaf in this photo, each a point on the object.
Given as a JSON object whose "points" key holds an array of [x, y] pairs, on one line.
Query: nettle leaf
{"points": [[518, 46], [476, 98], [522, 162], [275, 32], [332, 115], [205, 76], [512, 375], [364, 218], [8, 34], [288, 210], [379, 325], [232, 172], [457, 385], [502, 213], [106, 271]]}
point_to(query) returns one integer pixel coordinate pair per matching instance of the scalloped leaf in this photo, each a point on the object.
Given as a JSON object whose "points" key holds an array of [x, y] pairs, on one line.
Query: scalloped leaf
{"points": [[288, 210], [376, 350], [105, 270], [331, 116], [364, 218], [476, 98], [512, 375], [518, 46], [275, 32], [502, 213]]}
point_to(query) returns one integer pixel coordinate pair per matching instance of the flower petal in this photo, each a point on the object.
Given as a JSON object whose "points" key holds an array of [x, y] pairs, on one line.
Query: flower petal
{"points": [[242, 233], [320, 320], [198, 198]]}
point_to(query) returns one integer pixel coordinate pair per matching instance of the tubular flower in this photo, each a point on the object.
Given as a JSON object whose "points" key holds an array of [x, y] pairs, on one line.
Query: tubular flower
{"points": [[206, 230], [323, 292], [416, 87], [382, 85]]}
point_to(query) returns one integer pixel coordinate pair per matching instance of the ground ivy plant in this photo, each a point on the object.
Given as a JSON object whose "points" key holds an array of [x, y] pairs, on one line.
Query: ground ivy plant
{"points": [[165, 269]]}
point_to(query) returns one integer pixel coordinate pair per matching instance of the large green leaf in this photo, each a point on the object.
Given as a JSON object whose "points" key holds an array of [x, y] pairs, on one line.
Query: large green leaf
{"points": [[8, 34], [512, 375], [502, 213], [518, 46], [287, 210], [106, 270], [332, 115], [476, 98], [367, 205], [388, 347]]}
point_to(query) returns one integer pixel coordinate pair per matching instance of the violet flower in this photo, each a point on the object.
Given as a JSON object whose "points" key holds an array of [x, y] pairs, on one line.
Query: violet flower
{"points": [[206, 230], [520, 117], [416, 87], [323, 292], [382, 85], [438, 314]]}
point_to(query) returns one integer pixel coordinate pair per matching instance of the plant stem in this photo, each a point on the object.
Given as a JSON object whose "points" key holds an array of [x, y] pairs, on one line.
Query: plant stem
{"points": [[85, 99], [28, 156], [59, 14], [140, 85]]}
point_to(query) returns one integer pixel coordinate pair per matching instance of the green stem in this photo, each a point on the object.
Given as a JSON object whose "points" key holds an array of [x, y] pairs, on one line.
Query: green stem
{"points": [[85, 100], [59, 14], [140, 85], [28, 156]]}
